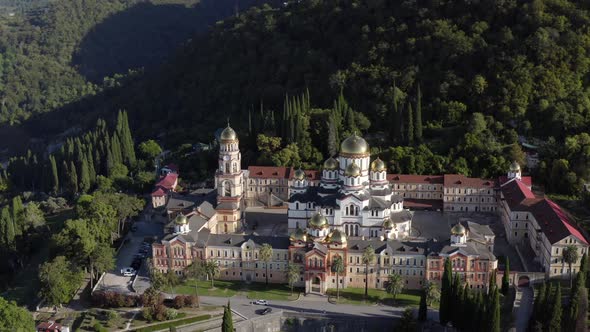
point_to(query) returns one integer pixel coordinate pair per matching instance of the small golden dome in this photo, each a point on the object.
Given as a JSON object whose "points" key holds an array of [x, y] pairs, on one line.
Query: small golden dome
{"points": [[514, 167], [352, 170], [378, 165], [331, 164], [299, 174], [298, 235], [318, 221], [458, 229], [181, 219], [337, 237], [354, 145], [228, 134], [388, 224]]}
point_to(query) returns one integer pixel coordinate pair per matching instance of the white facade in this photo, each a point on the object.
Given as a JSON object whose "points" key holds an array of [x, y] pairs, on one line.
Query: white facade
{"points": [[354, 196]]}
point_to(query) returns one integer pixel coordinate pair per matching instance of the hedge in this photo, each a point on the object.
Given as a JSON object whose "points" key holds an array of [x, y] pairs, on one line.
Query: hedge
{"points": [[168, 325]]}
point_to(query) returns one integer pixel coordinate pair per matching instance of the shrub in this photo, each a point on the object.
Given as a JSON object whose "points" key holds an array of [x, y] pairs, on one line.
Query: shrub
{"points": [[99, 328], [114, 300], [179, 301], [160, 312], [148, 314], [171, 314], [191, 300], [112, 315]]}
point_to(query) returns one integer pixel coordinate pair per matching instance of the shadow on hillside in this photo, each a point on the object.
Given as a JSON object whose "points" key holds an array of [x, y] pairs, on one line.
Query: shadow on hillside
{"points": [[146, 34]]}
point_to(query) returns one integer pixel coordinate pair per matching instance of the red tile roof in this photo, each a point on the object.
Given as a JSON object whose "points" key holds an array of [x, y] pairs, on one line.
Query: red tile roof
{"points": [[312, 175], [555, 223], [49, 327], [409, 178], [158, 192], [458, 180], [269, 172], [423, 203], [527, 180], [516, 193], [167, 181]]}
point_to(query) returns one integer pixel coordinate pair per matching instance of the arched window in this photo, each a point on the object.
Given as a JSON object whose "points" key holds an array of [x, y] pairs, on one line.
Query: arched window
{"points": [[235, 168], [227, 167], [226, 189], [225, 228]]}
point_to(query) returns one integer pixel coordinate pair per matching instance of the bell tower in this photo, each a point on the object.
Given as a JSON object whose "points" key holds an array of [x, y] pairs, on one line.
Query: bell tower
{"points": [[229, 182]]}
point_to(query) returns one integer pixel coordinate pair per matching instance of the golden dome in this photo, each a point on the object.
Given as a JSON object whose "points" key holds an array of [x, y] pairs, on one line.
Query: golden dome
{"points": [[331, 164], [298, 235], [458, 229], [354, 145], [378, 165], [514, 167], [388, 224], [299, 174], [337, 236], [181, 219], [318, 221], [352, 170], [228, 134]]}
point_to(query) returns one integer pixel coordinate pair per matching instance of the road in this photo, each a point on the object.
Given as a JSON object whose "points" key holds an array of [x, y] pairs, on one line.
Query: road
{"points": [[315, 304], [113, 280], [523, 306]]}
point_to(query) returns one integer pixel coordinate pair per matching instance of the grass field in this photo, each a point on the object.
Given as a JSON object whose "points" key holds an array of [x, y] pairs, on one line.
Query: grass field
{"points": [[357, 296], [223, 288]]}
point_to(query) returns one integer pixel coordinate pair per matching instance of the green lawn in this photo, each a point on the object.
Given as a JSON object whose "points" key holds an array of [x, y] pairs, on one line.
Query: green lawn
{"points": [[357, 296], [254, 290]]}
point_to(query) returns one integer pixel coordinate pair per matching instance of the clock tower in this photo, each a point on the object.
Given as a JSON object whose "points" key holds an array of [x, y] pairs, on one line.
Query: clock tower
{"points": [[229, 182]]}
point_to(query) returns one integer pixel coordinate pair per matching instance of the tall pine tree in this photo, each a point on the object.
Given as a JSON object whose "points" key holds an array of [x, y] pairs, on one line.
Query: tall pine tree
{"points": [[227, 324], [418, 117], [54, 175], [445, 312], [505, 278], [73, 178], [84, 183], [18, 215], [410, 129], [8, 231], [556, 311], [495, 311]]}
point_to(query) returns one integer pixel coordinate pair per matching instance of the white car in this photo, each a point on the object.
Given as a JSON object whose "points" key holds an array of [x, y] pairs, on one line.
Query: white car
{"points": [[261, 302], [128, 272]]}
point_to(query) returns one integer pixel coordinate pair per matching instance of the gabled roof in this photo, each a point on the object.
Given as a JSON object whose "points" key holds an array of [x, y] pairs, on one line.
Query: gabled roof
{"points": [[410, 178], [527, 180], [515, 193], [555, 223], [158, 192], [458, 180], [269, 172], [167, 181]]}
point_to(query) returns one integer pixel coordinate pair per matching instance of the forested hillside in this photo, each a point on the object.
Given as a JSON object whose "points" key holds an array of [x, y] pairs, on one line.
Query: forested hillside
{"points": [[487, 72], [75, 48]]}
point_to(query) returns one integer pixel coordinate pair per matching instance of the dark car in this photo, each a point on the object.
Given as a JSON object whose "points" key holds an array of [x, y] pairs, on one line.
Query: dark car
{"points": [[264, 311]]}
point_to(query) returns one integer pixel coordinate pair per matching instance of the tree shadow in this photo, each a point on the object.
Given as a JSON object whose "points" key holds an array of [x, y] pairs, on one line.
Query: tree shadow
{"points": [[146, 34]]}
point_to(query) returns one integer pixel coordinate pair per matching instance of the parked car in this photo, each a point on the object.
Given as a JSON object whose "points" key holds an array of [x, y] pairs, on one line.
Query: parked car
{"points": [[265, 311], [261, 302], [128, 272]]}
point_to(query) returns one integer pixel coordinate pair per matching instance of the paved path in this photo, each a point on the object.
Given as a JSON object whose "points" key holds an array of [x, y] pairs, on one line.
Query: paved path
{"points": [[523, 306]]}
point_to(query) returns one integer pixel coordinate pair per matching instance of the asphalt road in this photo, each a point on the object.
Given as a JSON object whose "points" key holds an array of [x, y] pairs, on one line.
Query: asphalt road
{"points": [[524, 307], [113, 280], [316, 305]]}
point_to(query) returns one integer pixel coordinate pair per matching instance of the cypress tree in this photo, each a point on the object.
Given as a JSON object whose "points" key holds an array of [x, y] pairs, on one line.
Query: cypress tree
{"points": [[18, 215], [423, 311], [495, 312], [393, 117], [54, 175], [116, 149], [456, 301], [492, 283], [573, 309], [539, 304], [227, 324], [505, 278], [84, 183], [291, 130], [73, 178], [445, 312], [410, 129], [548, 304], [556, 311], [91, 169], [584, 268], [418, 117], [476, 320], [465, 302], [128, 141], [332, 137], [7, 228]]}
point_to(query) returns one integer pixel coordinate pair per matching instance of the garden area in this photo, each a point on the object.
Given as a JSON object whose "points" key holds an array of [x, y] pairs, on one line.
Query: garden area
{"points": [[226, 288], [376, 296]]}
